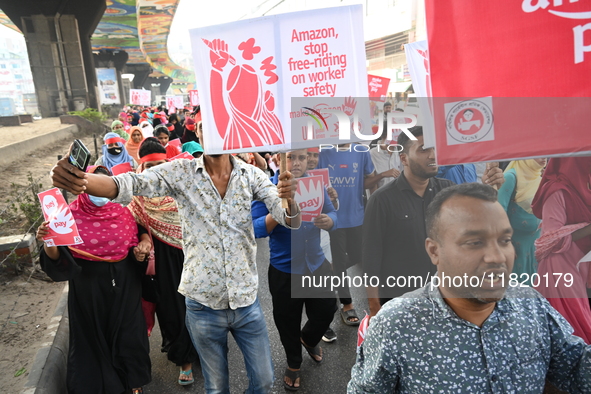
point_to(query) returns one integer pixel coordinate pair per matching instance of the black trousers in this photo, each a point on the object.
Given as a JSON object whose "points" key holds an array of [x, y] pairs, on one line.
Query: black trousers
{"points": [[345, 247], [287, 314]]}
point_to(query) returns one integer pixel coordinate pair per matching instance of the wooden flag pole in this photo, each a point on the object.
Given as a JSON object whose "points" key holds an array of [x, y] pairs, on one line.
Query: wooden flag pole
{"points": [[488, 167], [282, 169]]}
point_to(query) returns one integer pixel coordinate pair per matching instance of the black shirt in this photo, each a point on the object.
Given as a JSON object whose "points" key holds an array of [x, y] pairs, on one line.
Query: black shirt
{"points": [[394, 234]]}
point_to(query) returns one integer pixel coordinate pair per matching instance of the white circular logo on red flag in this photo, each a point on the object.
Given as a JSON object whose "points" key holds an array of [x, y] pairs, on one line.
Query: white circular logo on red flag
{"points": [[469, 121]]}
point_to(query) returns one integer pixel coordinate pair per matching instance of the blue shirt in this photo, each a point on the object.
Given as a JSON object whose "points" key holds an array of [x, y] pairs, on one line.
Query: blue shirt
{"points": [[461, 173], [306, 253], [347, 171], [417, 344]]}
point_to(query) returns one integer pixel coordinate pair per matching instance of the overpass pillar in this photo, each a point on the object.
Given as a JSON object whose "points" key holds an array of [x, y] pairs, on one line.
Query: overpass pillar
{"points": [[57, 64]]}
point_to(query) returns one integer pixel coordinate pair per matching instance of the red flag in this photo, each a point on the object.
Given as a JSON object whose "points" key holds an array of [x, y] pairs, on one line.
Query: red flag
{"points": [[121, 168], [509, 78], [362, 330]]}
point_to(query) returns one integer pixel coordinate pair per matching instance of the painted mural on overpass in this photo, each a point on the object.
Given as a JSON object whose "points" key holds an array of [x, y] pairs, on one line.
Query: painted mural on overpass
{"points": [[141, 28]]}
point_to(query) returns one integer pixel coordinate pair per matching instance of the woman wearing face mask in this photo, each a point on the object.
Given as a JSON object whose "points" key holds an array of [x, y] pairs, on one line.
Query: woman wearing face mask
{"points": [[114, 152], [109, 349], [161, 218], [117, 127]]}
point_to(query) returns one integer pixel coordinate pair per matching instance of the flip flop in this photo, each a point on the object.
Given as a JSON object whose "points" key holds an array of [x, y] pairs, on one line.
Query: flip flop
{"points": [[350, 314], [314, 352], [293, 375], [186, 382]]}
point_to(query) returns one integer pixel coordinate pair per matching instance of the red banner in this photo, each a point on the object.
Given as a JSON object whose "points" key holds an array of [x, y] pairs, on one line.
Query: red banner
{"points": [[62, 226], [377, 87], [121, 168], [509, 78]]}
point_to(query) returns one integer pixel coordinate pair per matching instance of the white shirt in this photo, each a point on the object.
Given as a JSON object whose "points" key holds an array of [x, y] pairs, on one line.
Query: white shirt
{"points": [[384, 161]]}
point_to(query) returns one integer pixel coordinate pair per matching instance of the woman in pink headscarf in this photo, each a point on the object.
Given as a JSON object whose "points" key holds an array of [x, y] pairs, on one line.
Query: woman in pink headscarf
{"points": [[109, 349], [563, 202], [123, 119]]}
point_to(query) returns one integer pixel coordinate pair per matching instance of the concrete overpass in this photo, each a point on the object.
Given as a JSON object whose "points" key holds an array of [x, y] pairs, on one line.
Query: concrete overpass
{"points": [[68, 39]]}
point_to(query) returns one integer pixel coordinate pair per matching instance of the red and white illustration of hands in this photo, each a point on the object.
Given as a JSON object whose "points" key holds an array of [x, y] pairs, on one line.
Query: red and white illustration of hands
{"points": [[243, 111]]}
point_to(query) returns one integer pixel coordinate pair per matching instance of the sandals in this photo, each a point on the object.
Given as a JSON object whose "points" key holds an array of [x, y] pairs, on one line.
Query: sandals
{"points": [[348, 315], [293, 375], [186, 382], [314, 352]]}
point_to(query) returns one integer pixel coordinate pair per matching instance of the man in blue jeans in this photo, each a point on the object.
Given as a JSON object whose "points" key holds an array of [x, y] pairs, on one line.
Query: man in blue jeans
{"points": [[219, 280]]}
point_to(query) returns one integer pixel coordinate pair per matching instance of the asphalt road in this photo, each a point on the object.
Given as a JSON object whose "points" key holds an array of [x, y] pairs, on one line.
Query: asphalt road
{"points": [[329, 377]]}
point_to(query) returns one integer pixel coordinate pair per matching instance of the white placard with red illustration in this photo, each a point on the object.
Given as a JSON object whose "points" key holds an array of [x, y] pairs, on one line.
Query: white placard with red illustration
{"points": [[194, 97], [310, 197], [249, 70], [417, 57], [140, 97], [62, 226], [183, 155], [510, 79], [174, 102], [323, 172]]}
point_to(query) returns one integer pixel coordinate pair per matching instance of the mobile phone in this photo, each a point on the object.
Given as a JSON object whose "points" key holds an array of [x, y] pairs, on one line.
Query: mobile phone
{"points": [[79, 155]]}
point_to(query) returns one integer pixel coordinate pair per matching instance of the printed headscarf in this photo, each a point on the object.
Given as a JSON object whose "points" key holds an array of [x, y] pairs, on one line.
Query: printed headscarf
{"points": [[108, 232]]}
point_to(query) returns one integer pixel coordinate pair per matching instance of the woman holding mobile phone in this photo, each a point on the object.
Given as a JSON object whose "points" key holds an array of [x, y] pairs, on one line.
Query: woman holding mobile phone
{"points": [[109, 349]]}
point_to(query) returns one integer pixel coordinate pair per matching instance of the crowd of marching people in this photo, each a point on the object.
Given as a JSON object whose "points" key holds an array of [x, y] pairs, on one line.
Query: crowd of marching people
{"points": [[169, 234]]}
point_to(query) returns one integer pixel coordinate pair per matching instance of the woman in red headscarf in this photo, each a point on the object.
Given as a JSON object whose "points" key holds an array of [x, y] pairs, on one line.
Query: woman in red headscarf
{"points": [[160, 217], [109, 349], [563, 202]]}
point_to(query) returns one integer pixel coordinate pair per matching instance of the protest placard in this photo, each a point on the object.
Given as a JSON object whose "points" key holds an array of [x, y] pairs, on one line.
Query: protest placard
{"points": [[194, 97], [183, 155], [509, 80], [377, 87], [310, 197], [249, 70], [417, 57], [323, 172], [174, 102], [140, 97], [62, 226]]}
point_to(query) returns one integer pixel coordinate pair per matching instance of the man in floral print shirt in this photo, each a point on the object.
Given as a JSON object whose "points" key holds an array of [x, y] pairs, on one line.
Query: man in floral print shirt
{"points": [[488, 337], [219, 280]]}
